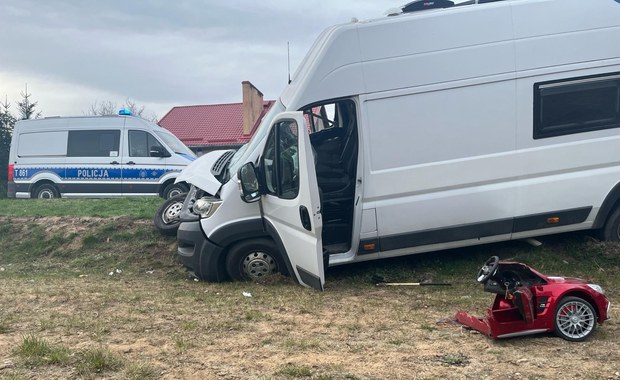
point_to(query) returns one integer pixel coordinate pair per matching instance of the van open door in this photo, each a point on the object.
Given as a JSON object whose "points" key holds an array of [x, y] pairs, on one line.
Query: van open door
{"points": [[286, 185]]}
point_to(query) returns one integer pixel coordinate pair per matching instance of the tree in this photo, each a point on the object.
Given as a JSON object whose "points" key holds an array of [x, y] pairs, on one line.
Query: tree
{"points": [[26, 107], [7, 121], [108, 107]]}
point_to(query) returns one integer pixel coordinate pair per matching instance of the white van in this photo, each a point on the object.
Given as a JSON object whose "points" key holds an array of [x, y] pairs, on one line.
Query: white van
{"points": [[96, 156], [418, 132]]}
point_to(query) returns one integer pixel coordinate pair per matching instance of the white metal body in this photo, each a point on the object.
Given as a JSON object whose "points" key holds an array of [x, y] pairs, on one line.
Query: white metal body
{"points": [[445, 118]]}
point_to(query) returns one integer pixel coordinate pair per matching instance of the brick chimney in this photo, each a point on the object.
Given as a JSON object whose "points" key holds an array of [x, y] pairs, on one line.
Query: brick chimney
{"points": [[252, 106]]}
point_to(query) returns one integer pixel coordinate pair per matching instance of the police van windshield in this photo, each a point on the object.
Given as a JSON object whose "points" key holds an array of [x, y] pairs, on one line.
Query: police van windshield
{"points": [[174, 143], [241, 156]]}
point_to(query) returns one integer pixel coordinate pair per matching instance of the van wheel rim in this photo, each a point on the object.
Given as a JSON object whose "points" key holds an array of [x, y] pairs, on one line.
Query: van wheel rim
{"points": [[171, 214], [174, 193], [575, 320], [257, 265], [46, 194]]}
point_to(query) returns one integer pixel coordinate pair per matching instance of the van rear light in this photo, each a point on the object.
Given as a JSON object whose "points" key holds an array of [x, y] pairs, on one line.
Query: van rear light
{"points": [[11, 170]]}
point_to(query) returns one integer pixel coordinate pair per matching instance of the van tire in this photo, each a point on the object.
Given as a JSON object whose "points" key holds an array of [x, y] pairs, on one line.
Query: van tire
{"points": [[611, 231], [253, 260], [46, 191], [174, 189], [168, 216]]}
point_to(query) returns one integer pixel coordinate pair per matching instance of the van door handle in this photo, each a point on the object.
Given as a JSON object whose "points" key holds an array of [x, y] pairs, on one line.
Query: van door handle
{"points": [[114, 163], [305, 218], [131, 163]]}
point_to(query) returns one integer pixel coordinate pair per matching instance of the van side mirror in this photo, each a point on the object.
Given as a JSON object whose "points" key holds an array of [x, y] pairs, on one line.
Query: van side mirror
{"points": [[158, 151], [248, 183]]}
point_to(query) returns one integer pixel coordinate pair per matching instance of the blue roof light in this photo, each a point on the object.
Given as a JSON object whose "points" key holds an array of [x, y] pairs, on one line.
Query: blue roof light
{"points": [[125, 113]]}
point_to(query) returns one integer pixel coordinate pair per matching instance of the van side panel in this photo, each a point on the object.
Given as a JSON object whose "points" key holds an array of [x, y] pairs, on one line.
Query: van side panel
{"points": [[430, 169]]}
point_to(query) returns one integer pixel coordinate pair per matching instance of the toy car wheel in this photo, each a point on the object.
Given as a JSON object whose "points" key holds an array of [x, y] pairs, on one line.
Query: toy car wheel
{"points": [[167, 218], [253, 260], [575, 319], [47, 191]]}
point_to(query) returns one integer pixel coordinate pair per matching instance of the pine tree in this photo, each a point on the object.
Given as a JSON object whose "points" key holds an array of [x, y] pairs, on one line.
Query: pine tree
{"points": [[7, 121], [26, 107]]}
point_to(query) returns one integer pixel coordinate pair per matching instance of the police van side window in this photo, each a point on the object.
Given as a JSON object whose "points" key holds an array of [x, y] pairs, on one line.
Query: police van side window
{"points": [[576, 105], [140, 143], [97, 143]]}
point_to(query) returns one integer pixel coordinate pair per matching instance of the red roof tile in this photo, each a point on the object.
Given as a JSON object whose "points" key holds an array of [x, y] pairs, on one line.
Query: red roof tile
{"points": [[210, 125]]}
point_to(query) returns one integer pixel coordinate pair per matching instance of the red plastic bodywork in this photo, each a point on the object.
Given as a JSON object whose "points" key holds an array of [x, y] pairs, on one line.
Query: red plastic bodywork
{"points": [[504, 319]]}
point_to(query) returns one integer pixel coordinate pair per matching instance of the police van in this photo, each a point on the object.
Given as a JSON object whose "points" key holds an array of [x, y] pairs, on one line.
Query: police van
{"points": [[95, 156]]}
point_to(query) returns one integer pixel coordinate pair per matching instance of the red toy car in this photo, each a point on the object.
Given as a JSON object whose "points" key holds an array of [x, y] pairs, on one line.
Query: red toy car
{"points": [[528, 302]]}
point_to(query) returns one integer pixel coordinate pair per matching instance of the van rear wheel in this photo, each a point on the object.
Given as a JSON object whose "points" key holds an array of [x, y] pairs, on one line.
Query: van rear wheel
{"points": [[253, 260], [611, 231], [47, 191]]}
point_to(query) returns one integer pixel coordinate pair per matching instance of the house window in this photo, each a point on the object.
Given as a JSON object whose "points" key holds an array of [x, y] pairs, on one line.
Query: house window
{"points": [[97, 143], [576, 105]]}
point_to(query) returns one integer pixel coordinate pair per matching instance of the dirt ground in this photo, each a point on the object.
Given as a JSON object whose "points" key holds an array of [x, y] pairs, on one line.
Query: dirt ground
{"points": [[160, 323]]}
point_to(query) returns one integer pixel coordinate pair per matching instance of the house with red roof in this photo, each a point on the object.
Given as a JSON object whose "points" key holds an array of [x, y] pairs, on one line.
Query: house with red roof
{"points": [[204, 128]]}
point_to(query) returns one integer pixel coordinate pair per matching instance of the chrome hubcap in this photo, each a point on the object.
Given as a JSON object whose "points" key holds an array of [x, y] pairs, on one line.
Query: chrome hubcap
{"points": [[259, 264], [575, 319], [46, 194], [172, 212]]}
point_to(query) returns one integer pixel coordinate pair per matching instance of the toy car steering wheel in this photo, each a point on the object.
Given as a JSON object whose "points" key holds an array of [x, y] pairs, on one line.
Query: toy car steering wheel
{"points": [[488, 269]]}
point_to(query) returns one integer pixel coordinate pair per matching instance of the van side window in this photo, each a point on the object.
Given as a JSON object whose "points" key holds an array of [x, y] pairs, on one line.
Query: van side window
{"points": [[140, 143], [98, 143], [280, 161], [577, 105]]}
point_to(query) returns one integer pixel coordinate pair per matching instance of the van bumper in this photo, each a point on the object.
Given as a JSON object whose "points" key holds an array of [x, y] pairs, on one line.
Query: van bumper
{"points": [[198, 253]]}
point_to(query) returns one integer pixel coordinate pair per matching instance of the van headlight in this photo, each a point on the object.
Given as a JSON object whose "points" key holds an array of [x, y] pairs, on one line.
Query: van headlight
{"points": [[596, 288], [206, 206]]}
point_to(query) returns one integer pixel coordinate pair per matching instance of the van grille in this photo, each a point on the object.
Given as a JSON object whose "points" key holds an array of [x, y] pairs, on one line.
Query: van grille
{"points": [[221, 162]]}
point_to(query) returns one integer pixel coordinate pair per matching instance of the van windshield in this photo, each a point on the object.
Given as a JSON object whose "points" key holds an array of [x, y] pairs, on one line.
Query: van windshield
{"points": [[174, 143], [241, 156]]}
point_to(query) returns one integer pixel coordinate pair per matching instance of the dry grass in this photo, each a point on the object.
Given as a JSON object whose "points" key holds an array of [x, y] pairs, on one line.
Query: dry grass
{"points": [[152, 320]]}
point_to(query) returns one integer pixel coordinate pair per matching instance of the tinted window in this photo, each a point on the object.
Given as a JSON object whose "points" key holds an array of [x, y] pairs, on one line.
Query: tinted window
{"points": [[140, 143], [577, 105], [98, 143]]}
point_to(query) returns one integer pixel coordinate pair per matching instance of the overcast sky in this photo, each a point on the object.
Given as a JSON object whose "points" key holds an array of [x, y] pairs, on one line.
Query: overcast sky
{"points": [[73, 53]]}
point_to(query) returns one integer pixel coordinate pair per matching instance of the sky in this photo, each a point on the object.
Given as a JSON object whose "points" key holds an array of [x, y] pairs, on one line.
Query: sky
{"points": [[75, 53]]}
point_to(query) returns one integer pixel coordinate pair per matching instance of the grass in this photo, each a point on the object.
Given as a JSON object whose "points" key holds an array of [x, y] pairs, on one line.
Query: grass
{"points": [[148, 324], [36, 351], [133, 208]]}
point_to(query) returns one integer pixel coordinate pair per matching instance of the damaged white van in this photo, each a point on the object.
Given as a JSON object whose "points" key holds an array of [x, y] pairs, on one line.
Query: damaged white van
{"points": [[443, 128]]}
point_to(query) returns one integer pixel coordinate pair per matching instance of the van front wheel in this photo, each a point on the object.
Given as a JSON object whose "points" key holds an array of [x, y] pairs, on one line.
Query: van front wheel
{"points": [[47, 191], [254, 260]]}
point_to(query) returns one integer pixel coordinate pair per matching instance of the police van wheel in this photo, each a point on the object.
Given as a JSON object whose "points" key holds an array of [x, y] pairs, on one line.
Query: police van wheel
{"points": [[611, 231], [174, 189], [47, 191], [253, 260], [167, 218]]}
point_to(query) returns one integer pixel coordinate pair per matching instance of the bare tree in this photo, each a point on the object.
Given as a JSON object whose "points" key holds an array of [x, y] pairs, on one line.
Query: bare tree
{"points": [[108, 107]]}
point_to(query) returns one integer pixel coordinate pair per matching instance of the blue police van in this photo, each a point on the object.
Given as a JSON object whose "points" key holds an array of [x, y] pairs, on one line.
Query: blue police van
{"points": [[95, 156]]}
